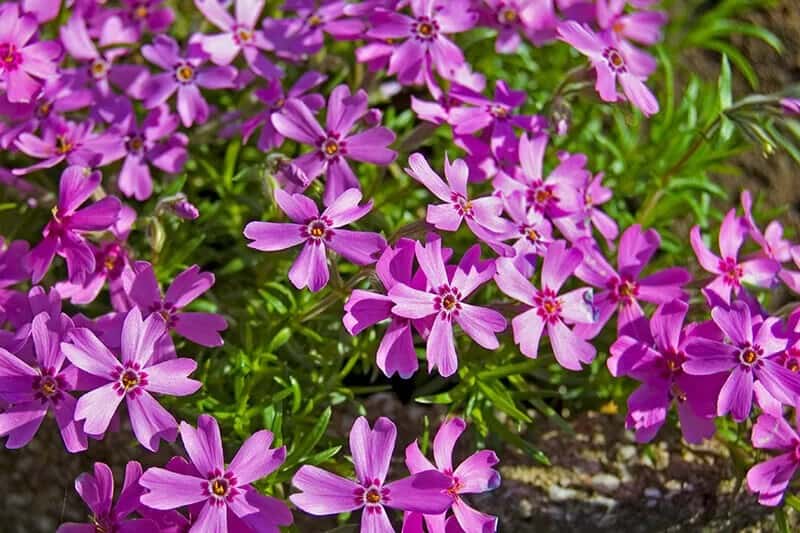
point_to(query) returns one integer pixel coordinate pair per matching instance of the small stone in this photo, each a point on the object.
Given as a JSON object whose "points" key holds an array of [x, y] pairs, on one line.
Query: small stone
{"points": [[525, 508], [605, 501], [627, 452], [599, 439], [605, 482], [673, 485], [652, 493], [560, 494]]}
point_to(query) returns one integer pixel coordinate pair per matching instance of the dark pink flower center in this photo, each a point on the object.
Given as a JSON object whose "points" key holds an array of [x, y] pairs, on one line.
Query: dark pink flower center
{"points": [[541, 196], [220, 488], [462, 205], [372, 495], [184, 73], [499, 111], [673, 362], [425, 29], [135, 143], [318, 229], [49, 387], [129, 379], [507, 16], [615, 60], [456, 485], [624, 290], [242, 35], [10, 58], [447, 301], [750, 354], [112, 260], [548, 305], [63, 144], [167, 311], [332, 146], [732, 272], [98, 68]]}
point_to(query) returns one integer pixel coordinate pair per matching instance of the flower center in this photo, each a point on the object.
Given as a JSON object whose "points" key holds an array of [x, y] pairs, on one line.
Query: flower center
{"points": [[167, 311], [615, 60], [540, 196], [10, 58], [498, 111], [462, 205], [99, 68], [448, 301], [732, 272], [532, 235], [792, 364], [48, 386], [425, 29], [184, 73], [626, 290], [219, 487], [674, 361], [243, 35], [318, 229], [135, 143], [372, 496], [314, 20], [129, 379], [750, 354], [102, 524], [44, 109], [63, 144], [507, 15], [331, 147], [676, 392], [618, 26], [548, 305], [140, 12]]}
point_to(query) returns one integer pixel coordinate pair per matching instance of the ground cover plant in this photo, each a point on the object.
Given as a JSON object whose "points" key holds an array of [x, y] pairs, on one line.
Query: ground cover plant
{"points": [[226, 223]]}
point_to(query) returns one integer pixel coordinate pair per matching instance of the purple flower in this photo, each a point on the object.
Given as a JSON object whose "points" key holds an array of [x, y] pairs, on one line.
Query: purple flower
{"points": [[35, 389], [445, 299], [657, 362], [532, 231], [273, 98], [146, 15], [548, 309], [597, 194], [613, 60], [749, 358], [20, 62], [771, 240], [791, 106], [239, 34], [223, 494], [184, 75], [98, 492], [76, 143], [317, 232], [621, 289], [202, 328], [426, 45], [324, 493], [333, 145], [365, 308], [132, 378], [316, 19], [536, 20], [482, 215], [63, 235], [729, 271], [771, 478], [154, 142], [473, 476], [641, 26]]}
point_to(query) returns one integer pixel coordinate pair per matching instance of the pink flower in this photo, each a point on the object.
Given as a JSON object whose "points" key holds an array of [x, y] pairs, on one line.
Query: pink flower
{"points": [[613, 60], [547, 310], [770, 479], [445, 298], [317, 232]]}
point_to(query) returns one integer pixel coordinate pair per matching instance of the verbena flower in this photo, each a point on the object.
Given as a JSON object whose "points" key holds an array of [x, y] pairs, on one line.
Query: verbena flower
{"points": [[613, 61], [98, 492], [445, 299], [474, 475], [222, 495], [24, 64], [185, 74], [334, 145], [770, 479], [656, 360], [34, 389], [132, 378], [325, 493], [317, 232], [729, 271], [749, 357], [547, 310], [63, 235]]}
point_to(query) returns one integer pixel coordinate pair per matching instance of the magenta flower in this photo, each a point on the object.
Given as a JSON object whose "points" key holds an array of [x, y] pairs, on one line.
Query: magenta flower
{"points": [[333, 146], [549, 310], [426, 44], [532, 231], [63, 235], [146, 15], [184, 75], [156, 143], [34, 389], [226, 500], [730, 272], [613, 60], [749, 358], [324, 493], [317, 18], [790, 106], [365, 308], [98, 492], [482, 215], [771, 240], [770, 479], [474, 475], [201, 328], [273, 98], [76, 143], [22, 63], [317, 232], [445, 299], [656, 361], [132, 378], [239, 34], [515, 19], [621, 289], [594, 195]]}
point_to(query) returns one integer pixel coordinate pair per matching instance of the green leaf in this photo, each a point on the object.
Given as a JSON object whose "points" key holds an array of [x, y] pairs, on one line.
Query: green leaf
{"points": [[502, 400]]}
